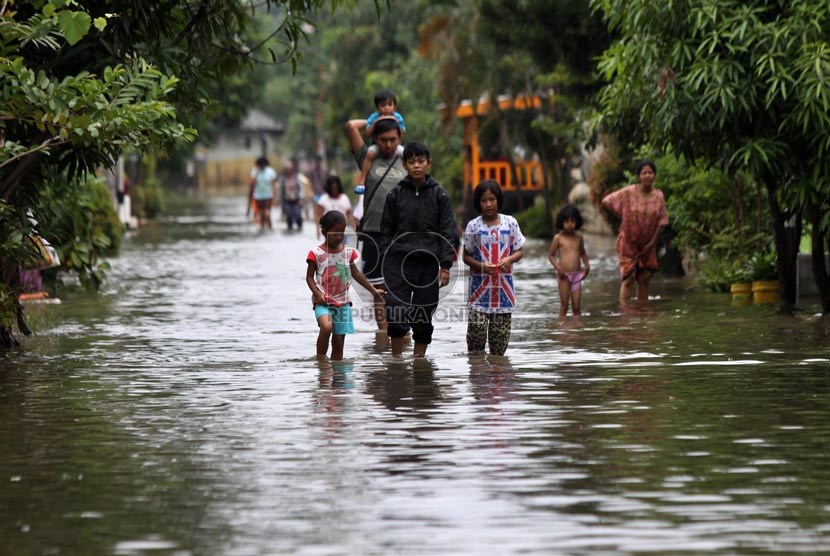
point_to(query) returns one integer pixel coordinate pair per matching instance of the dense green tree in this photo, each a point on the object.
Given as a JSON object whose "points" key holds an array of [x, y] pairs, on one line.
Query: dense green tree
{"points": [[743, 85], [493, 47], [81, 81]]}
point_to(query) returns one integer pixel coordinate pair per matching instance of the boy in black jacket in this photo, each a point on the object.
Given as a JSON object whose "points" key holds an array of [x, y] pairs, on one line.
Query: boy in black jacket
{"points": [[416, 242]]}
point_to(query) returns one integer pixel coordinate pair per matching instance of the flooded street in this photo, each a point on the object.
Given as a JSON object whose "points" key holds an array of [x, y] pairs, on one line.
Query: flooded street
{"points": [[182, 412]]}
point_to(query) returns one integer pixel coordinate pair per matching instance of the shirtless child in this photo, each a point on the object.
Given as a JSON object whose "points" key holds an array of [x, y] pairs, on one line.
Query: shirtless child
{"points": [[566, 252]]}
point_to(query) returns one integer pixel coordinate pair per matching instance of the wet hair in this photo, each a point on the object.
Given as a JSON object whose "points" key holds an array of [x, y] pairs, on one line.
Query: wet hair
{"points": [[487, 185], [262, 161], [331, 181], [642, 164], [413, 149], [568, 212], [382, 125], [331, 219], [385, 94]]}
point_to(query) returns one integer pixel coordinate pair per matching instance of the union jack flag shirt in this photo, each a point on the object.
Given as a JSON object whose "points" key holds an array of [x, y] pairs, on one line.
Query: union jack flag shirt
{"points": [[333, 273], [492, 293]]}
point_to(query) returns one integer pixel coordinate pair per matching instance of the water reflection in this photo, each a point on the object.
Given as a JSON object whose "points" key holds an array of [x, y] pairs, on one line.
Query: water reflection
{"points": [[331, 400], [492, 379], [402, 384]]}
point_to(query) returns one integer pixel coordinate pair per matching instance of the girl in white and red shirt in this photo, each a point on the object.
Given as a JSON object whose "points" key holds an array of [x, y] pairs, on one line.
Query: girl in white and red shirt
{"points": [[330, 265]]}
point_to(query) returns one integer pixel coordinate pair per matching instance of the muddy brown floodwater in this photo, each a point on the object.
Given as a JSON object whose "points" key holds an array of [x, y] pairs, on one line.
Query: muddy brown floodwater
{"points": [[182, 412]]}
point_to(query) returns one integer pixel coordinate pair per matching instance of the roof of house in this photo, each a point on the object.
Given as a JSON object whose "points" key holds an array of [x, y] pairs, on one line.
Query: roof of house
{"points": [[257, 120]]}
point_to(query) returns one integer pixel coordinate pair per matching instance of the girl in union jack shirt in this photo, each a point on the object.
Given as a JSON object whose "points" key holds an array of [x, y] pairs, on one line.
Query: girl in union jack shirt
{"points": [[492, 243], [330, 265]]}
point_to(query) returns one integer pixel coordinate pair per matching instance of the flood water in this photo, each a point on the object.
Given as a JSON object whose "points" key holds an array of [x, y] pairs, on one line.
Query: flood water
{"points": [[182, 412]]}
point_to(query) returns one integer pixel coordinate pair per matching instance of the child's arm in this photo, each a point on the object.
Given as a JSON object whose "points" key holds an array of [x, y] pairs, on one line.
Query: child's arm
{"points": [[584, 256], [505, 263], [479, 266], [554, 247], [361, 279], [318, 297], [370, 124], [367, 166]]}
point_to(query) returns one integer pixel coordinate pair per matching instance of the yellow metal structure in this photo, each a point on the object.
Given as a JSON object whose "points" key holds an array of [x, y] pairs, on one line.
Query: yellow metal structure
{"points": [[528, 174]]}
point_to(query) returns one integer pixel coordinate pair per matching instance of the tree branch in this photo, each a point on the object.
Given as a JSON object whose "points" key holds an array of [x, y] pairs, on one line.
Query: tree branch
{"points": [[192, 23], [42, 147]]}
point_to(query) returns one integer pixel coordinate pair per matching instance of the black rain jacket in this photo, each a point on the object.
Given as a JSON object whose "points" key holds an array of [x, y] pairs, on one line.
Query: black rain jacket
{"points": [[418, 220]]}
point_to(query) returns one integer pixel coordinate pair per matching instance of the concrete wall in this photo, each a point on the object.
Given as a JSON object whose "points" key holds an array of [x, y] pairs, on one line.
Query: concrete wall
{"points": [[806, 284]]}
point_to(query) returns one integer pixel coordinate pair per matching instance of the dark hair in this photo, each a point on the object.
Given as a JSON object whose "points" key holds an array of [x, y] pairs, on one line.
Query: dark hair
{"points": [[382, 125], [487, 185], [413, 149], [568, 212], [331, 219], [331, 181], [262, 161], [642, 164], [385, 94]]}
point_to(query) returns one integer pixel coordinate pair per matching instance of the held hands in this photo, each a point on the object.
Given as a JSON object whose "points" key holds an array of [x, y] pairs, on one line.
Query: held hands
{"points": [[504, 264], [378, 293], [444, 277]]}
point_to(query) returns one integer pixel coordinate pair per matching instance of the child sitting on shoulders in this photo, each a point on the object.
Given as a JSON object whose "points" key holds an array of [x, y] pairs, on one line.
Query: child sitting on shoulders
{"points": [[387, 105], [492, 243], [327, 276], [566, 252]]}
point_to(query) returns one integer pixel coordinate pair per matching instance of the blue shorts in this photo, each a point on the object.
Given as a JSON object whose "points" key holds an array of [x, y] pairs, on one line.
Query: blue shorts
{"points": [[341, 317]]}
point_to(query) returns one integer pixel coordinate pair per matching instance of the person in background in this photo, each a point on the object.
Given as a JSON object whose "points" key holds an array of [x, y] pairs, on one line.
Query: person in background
{"points": [[642, 211], [263, 191], [333, 199], [292, 186], [567, 251]]}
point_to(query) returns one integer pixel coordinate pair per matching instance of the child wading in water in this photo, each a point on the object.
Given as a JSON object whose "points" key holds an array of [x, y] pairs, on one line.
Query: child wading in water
{"points": [[566, 252], [327, 277], [416, 241], [492, 243]]}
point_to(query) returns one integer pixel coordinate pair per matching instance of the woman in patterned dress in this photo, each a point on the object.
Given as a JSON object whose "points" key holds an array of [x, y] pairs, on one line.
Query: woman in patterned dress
{"points": [[642, 210]]}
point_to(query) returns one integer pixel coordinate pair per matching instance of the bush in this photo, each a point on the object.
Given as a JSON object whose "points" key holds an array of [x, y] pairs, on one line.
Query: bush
{"points": [[148, 198], [535, 221], [79, 220], [763, 266]]}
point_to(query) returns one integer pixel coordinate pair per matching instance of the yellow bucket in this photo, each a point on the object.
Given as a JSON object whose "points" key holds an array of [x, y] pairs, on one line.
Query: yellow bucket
{"points": [[741, 293], [765, 292]]}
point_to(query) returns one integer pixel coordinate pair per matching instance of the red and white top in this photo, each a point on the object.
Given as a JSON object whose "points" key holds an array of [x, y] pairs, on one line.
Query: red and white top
{"points": [[333, 274]]}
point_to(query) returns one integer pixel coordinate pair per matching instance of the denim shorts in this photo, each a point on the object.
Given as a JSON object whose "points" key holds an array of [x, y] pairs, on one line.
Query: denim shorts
{"points": [[341, 317]]}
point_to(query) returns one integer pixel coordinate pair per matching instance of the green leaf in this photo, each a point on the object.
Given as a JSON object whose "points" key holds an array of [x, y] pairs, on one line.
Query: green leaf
{"points": [[75, 25], [100, 23]]}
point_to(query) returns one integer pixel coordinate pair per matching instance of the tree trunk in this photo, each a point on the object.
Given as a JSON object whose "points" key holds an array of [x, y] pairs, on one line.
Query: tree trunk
{"points": [[820, 242], [787, 225], [10, 276]]}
